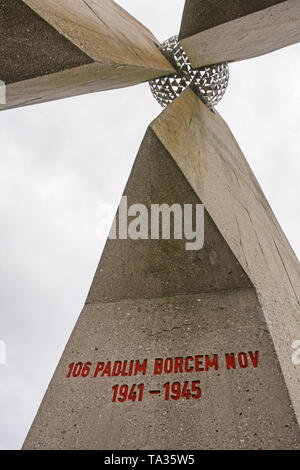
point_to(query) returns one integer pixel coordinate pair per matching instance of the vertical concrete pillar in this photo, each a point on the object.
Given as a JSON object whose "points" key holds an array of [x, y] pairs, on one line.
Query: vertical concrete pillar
{"points": [[172, 349]]}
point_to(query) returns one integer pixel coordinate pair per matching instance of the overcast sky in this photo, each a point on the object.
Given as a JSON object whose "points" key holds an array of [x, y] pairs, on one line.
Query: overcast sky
{"points": [[59, 161]]}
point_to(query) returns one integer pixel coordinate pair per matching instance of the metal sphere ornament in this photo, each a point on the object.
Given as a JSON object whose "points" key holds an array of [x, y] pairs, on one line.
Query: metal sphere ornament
{"points": [[209, 82]]}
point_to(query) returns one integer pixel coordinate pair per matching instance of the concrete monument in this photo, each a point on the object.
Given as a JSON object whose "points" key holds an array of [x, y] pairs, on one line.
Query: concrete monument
{"points": [[175, 348]]}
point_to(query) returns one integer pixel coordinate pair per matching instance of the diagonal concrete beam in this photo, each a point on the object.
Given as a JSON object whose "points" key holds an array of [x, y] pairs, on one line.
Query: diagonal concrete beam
{"points": [[217, 31], [205, 150], [51, 49], [200, 15]]}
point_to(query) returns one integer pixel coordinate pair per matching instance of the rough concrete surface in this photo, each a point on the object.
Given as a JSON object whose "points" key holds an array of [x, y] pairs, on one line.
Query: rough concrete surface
{"points": [[252, 35], [31, 47], [53, 49], [155, 268], [205, 150], [199, 15], [166, 306], [242, 408]]}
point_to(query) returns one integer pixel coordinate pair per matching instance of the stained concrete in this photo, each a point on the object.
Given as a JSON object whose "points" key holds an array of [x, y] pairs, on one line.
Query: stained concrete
{"points": [[199, 15], [207, 153], [234, 35], [165, 306], [239, 408], [31, 47], [163, 267], [53, 49]]}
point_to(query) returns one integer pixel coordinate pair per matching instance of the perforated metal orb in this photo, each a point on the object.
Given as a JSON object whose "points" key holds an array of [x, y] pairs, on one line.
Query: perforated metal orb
{"points": [[209, 82]]}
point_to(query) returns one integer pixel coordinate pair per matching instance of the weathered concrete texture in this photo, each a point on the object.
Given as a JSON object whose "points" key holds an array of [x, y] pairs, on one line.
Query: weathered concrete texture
{"points": [[73, 47], [77, 81], [199, 15], [208, 155], [31, 47], [240, 35], [155, 268], [181, 304], [239, 409]]}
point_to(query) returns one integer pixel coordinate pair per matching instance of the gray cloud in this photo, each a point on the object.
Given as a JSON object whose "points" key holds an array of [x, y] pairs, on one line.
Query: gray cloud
{"points": [[60, 160]]}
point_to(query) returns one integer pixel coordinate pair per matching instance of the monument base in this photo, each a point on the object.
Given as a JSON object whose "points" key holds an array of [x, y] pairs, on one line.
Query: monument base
{"points": [[172, 350], [216, 343]]}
